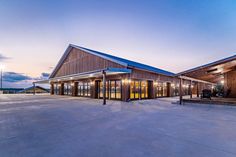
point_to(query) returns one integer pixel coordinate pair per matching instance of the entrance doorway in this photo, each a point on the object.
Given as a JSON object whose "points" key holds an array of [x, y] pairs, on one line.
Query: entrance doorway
{"points": [[113, 89], [138, 89], [84, 89]]}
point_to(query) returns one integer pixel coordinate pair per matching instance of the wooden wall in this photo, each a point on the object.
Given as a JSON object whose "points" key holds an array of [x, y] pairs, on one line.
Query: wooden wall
{"points": [[79, 61], [230, 83], [145, 75]]}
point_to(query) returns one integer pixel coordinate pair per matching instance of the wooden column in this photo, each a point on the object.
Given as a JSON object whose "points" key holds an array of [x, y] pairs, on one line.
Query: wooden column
{"points": [[61, 91], [150, 90], [52, 89], [34, 88], [74, 88], [104, 86], [96, 87], [191, 92], [198, 89], [180, 91], [168, 89]]}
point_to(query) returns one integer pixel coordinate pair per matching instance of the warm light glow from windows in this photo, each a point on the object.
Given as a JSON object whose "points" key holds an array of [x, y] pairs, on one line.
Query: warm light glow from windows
{"points": [[126, 81]]}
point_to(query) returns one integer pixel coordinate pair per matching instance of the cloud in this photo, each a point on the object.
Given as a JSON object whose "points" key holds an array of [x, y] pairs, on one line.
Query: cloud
{"points": [[51, 68], [16, 80], [2, 57], [45, 75], [14, 77]]}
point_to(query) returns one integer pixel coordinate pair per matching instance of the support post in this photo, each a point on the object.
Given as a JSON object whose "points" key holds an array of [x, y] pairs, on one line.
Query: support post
{"points": [[34, 88], [180, 91], [104, 86], [191, 92], [198, 89]]}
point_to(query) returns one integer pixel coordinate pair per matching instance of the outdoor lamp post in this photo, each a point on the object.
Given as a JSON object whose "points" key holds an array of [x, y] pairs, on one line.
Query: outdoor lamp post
{"points": [[1, 70]]}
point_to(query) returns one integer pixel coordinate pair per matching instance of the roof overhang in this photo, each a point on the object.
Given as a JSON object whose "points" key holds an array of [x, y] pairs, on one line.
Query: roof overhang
{"points": [[195, 80], [212, 72], [90, 74]]}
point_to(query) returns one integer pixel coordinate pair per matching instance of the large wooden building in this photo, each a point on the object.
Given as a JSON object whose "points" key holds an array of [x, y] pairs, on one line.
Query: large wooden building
{"points": [[88, 73]]}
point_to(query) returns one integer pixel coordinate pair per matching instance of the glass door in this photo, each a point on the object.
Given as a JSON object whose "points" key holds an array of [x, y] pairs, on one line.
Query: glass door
{"points": [[144, 89]]}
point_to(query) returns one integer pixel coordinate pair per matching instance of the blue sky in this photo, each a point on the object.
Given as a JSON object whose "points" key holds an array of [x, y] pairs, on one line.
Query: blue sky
{"points": [[174, 35]]}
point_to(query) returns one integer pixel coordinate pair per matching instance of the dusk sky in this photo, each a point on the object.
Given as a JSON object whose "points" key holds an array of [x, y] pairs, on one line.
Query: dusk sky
{"points": [[174, 35]]}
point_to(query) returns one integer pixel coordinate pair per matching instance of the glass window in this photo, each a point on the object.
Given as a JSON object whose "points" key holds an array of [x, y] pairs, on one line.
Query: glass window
{"points": [[176, 91], [144, 89], [118, 89], [138, 89], [89, 89], [65, 88], [101, 89], [164, 89], [132, 90], [80, 89], [161, 89], [84, 89], [112, 89], [56, 90], [69, 89]]}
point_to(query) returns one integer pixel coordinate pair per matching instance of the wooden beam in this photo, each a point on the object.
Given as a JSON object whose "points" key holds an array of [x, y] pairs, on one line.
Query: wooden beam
{"points": [[196, 80]]}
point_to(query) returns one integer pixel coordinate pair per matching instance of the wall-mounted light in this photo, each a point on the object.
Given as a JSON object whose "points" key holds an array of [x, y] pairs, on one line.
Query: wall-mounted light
{"points": [[155, 83], [126, 81], [129, 80], [222, 82], [92, 83]]}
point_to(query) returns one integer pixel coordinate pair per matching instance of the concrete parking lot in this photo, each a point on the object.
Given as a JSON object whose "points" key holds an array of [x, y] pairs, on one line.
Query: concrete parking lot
{"points": [[57, 126]]}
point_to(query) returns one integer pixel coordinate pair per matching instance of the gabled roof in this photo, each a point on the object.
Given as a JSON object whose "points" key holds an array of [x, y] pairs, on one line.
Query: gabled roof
{"points": [[118, 60], [218, 62], [32, 87]]}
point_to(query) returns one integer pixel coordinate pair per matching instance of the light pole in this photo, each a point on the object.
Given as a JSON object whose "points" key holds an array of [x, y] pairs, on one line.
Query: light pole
{"points": [[1, 69]]}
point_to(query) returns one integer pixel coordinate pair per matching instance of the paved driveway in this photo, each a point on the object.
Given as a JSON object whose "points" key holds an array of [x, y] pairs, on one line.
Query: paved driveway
{"points": [[38, 126]]}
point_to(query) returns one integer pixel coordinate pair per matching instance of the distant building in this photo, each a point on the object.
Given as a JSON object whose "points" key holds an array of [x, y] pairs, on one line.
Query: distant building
{"points": [[10, 90], [31, 90]]}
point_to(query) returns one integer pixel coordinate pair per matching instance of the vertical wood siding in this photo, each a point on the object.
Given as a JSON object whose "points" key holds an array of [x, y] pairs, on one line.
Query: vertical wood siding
{"points": [[79, 61]]}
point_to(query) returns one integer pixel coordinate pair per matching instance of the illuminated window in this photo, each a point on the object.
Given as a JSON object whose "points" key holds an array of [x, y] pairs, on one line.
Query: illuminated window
{"points": [[84, 89], [56, 89], [113, 89], [138, 89]]}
